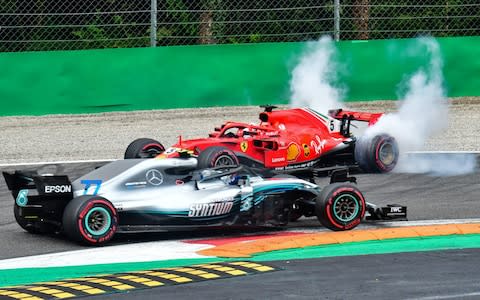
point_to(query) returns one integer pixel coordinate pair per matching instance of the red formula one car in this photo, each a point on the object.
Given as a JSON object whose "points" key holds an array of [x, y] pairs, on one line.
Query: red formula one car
{"points": [[290, 140]]}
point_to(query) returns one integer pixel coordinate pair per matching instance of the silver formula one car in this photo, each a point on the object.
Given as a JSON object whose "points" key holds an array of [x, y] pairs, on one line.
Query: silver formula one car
{"points": [[138, 195]]}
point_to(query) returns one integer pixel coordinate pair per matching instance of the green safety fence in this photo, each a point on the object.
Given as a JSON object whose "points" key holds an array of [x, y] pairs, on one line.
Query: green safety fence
{"points": [[89, 81]]}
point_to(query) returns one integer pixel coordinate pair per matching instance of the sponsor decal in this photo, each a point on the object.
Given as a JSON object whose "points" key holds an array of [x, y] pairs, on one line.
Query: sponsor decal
{"points": [[317, 144], [22, 198], [297, 166], [293, 151], [306, 150], [91, 183], [244, 146], [154, 177], [272, 133], [66, 188], [281, 126], [210, 209], [137, 184], [278, 159], [395, 211]]}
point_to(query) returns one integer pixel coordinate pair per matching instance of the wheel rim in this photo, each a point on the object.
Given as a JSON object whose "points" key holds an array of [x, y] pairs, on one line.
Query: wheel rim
{"points": [[386, 154], [98, 221], [345, 208], [224, 160], [149, 151]]}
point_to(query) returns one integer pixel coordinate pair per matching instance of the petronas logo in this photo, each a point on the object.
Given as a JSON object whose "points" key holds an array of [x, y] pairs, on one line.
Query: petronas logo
{"points": [[22, 198]]}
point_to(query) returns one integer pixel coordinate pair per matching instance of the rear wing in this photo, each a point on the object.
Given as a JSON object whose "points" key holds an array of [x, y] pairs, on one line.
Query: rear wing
{"points": [[341, 114], [45, 185], [346, 117]]}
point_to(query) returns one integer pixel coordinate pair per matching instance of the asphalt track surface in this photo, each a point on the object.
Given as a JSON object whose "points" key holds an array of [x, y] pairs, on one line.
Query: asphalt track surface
{"points": [[427, 198], [449, 274], [421, 276]]}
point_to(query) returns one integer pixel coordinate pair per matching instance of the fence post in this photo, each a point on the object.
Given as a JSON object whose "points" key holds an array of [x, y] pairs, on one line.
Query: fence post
{"points": [[153, 23], [336, 19]]}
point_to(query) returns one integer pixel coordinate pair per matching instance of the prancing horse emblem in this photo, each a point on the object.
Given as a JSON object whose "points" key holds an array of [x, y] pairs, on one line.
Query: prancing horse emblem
{"points": [[244, 146], [154, 177]]}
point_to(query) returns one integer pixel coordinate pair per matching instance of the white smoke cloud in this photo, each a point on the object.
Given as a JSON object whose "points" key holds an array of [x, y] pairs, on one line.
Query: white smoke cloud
{"points": [[439, 163], [313, 79], [423, 110]]}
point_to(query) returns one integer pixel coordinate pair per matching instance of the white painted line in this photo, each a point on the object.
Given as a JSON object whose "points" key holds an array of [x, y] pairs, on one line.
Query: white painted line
{"points": [[165, 250], [140, 252], [57, 162], [111, 159], [420, 223], [451, 296], [443, 152]]}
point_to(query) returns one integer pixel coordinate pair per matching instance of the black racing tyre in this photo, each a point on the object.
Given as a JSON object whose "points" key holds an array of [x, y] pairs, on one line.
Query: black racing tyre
{"points": [[378, 154], [90, 220], [217, 156], [144, 148], [340, 206]]}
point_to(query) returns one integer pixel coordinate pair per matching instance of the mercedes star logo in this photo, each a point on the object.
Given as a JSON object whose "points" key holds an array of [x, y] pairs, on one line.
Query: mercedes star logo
{"points": [[154, 177]]}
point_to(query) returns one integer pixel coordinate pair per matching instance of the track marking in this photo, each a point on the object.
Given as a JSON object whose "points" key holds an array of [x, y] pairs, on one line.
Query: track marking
{"points": [[110, 283], [239, 249], [64, 162]]}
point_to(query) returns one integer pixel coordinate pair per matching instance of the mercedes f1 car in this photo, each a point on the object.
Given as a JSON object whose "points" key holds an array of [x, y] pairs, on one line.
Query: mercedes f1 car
{"points": [[138, 195], [290, 139]]}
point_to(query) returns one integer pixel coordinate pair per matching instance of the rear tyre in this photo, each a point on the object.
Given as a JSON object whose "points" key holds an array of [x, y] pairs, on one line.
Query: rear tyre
{"points": [[144, 148], [378, 154], [340, 206], [216, 157], [90, 220]]}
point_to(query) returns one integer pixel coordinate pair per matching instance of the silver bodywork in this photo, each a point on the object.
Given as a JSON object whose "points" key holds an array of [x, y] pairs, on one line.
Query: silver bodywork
{"points": [[166, 187]]}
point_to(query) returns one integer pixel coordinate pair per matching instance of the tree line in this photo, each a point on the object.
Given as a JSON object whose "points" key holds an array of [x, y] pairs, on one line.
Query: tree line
{"points": [[69, 24]]}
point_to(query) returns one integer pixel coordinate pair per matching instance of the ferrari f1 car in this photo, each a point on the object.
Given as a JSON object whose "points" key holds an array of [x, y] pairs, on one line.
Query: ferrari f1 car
{"points": [[290, 139], [138, 195]]}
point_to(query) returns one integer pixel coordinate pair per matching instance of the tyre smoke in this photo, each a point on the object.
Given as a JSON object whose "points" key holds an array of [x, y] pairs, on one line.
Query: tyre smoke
{"points": [[314, 78], [422, 113], [423, 109]]}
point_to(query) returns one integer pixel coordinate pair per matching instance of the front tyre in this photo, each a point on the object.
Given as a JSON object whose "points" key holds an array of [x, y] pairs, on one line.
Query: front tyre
{"points": [[340, 206], [378, 154], [216, 157], [144, 148], [90, 220]]}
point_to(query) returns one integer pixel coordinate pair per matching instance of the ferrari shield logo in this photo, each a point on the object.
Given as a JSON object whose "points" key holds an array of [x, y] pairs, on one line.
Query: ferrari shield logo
{"points": [[244, 146]]}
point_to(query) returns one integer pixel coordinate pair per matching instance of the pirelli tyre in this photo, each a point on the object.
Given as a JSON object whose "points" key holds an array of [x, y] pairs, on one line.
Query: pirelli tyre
{"points": [[378, 154], [217, 156], [340, 206], [144, 148], [90, 220]]}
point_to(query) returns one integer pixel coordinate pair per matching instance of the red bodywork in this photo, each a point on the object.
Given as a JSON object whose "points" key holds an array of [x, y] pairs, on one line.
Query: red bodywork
{"points": [[296, 137]]}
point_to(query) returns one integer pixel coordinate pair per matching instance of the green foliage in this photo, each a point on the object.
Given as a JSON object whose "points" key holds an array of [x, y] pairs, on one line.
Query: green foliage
{"points": [[54, 25]]}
